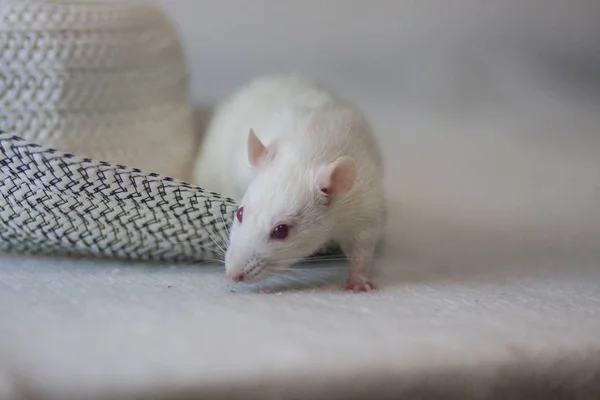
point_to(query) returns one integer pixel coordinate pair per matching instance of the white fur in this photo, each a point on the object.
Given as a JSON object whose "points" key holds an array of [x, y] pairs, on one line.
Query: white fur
{"points": [[305, 127]]}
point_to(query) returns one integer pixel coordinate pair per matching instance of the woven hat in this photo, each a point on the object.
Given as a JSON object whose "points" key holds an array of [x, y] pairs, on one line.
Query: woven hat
{"points": [[93, 97], [101, 79]]}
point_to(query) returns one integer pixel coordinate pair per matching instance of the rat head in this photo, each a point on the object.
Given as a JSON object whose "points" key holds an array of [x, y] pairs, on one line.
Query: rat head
{"points": [[286, 213]]}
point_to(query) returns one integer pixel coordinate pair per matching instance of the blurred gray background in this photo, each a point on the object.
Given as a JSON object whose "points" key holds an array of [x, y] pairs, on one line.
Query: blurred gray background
{"points": [[434, 53]]}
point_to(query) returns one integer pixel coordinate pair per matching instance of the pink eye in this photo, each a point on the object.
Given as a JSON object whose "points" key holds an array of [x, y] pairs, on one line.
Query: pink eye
{"points": [[280, 232], [240, 214]]}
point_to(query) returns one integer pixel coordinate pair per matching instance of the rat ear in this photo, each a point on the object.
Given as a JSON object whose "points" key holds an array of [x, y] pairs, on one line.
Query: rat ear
{"points": [[256, 150], [338, 177]]}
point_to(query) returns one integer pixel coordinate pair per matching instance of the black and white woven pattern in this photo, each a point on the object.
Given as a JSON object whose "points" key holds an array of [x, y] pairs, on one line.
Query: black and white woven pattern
{"points": [[57, 203]]}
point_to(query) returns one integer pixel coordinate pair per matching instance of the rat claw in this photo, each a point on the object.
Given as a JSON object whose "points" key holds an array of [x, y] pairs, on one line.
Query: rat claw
{"points": [[358, 287]]}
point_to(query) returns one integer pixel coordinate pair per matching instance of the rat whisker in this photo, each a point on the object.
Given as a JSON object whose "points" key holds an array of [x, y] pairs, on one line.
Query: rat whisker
{"points": [[325, 258], [206, 261], [287, 277], [336, 260], [305, 282], [286, 286], [204, 244], [332, 269], [214, 260], [210, 249], [308, 260], [226, 225], [215, 242], [217, 232]]}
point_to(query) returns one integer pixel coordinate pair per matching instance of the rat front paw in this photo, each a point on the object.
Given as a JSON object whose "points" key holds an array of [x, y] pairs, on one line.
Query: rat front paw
{"points": [[364, 286]]}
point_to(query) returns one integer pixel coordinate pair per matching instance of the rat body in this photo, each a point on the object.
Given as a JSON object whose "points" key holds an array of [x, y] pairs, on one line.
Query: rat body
{"points": [[307, 171]]}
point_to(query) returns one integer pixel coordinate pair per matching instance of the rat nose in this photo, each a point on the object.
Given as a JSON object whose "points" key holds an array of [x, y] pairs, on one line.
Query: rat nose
{"points": [[236, 277]]}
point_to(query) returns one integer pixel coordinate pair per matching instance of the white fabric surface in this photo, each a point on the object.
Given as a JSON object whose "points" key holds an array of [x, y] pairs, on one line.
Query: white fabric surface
{"points": [[491, 270], [82, 329]]}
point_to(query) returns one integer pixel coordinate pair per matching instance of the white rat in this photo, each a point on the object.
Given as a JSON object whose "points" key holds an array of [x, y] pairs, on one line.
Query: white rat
{"points": [[307, 171]]}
